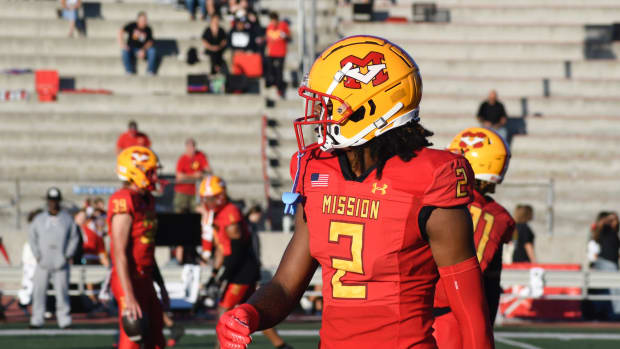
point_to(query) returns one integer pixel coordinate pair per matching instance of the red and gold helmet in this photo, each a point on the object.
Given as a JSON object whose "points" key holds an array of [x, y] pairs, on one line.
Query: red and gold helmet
{"points": [[138, 165], [213, 192], [485, 150], [359, 88]]}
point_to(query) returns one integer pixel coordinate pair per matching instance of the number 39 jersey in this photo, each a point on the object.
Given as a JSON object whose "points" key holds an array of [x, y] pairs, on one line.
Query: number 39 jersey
{"points": [[378, 270], [141, 246]]}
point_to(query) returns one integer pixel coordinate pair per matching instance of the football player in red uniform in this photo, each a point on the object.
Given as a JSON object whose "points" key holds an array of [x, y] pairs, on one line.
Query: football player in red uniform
{"points": [[223, 225], [132, 222], [489, 156], [382, 214]]}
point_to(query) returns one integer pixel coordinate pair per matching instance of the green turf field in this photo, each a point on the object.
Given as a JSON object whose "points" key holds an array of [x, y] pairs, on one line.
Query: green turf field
{"points": [[300, 336]]}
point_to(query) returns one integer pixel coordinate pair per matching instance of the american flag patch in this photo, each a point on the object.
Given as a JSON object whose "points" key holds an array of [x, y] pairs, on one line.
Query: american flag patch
{"points": [[319, 180]]}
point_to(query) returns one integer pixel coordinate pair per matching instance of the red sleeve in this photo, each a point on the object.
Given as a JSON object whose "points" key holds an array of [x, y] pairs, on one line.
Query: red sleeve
{"points": [[147, 141], [120, 142], [180, 163], [120, 202], [232, 215], [293, 170], [204, 162], [452, 185], [503, 226]]}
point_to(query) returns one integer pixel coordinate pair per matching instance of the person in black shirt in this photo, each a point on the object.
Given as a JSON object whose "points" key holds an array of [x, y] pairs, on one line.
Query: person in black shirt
{"points": [[240, 37], [138, 42], [524, 249], [491, 114], [214, 40], [605, 233]]}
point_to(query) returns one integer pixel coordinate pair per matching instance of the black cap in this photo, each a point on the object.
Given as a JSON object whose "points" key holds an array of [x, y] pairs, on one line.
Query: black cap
{"points": [[54, 193]]}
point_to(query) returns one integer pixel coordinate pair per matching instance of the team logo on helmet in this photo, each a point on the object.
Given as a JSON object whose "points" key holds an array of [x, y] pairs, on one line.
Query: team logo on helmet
{"points": [[139, 157], [472, 140], [374, 66]]}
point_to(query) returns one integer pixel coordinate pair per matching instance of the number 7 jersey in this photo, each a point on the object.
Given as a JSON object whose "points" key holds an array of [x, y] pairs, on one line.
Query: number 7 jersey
{"points": [[377, 268]]}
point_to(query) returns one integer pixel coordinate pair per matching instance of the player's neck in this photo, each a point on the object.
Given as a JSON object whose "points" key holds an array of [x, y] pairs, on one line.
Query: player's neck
{"points": [[360, 160]]}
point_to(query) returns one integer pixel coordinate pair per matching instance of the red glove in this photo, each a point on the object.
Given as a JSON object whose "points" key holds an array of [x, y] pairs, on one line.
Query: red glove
{"points": [[235, 326]]}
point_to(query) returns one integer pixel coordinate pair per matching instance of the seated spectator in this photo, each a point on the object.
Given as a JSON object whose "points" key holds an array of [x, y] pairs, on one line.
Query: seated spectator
{"points": [[70, 10], [240, 37], [277, 35], [524, 249], [191, 7], [491, 114], [214, 41], [139, 42], [132, 137]]}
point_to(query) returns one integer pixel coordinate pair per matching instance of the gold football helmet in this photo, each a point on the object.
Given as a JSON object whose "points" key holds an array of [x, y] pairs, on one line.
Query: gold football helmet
{"points": [[359, 88], [213, 192], [138, 165], [485, 150]]}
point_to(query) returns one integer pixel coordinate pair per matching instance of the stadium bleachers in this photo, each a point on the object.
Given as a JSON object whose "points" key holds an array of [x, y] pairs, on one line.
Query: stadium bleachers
{"points": [[572, 134]]}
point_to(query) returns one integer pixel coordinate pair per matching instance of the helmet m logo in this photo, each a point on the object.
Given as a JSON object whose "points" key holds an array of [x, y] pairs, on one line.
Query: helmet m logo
{"points": [[382, 189], [139, 158], [374, 66], [472, 140]]}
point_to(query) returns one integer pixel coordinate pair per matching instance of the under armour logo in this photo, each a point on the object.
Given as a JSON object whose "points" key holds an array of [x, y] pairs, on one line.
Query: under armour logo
{"points": [[383, 189], [376, 72]]}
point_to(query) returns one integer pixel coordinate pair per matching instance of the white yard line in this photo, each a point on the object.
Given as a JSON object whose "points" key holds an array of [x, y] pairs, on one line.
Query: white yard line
{"points": [[516, 344]]}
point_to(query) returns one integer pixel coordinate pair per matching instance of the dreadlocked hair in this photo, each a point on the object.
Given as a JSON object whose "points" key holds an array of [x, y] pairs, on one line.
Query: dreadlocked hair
{"points": [[402, 141]]}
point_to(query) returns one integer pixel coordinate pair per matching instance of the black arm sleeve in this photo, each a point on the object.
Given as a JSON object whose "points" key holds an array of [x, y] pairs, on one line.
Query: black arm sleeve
{"points": [[235, 260]]}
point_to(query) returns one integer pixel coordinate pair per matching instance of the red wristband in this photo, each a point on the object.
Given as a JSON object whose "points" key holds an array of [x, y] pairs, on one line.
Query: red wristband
{"points": [[253, 316]]}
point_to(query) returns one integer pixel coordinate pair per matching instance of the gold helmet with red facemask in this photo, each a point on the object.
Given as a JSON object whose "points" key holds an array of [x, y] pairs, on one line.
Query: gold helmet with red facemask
{"points": [[213, 192], [486, 151], [359, 88], [138, 165]]}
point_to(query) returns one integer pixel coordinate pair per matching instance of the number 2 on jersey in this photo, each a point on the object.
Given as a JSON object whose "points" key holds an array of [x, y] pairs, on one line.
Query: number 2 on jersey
{"points": [[488, 225], [353, 265], [461, 184]]}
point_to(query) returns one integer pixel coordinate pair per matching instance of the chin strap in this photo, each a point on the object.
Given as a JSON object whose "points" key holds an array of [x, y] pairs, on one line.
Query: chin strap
{"points": [[292, 198]]}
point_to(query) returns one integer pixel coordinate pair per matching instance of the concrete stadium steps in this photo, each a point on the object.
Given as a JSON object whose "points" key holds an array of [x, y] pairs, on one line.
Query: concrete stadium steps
{"points": [[127, 104], [518, 69], [504, 13], [466, 32], [512, 3], [122, 84], [170, 65], [115, 123], [447, 49], [95, 28]]}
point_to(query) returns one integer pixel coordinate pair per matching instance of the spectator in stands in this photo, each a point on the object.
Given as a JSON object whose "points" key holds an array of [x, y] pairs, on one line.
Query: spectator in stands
{"points": [[70, 10], [139, 42], [240, 37], [257, 31], [492, 114], [524, 249], [53, 239], [93, 246], [214, 6], [605, 233], [191, 7], [214, 41], [277, 35], [191, 167], [132, 137]]}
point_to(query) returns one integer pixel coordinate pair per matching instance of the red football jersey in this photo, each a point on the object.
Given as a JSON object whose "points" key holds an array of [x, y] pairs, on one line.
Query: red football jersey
{"points": [[141, 247], [377, 267], [493, 226], [227, 215]]}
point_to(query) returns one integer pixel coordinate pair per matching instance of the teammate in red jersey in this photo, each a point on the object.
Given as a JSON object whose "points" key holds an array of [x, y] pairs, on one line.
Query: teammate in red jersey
{"points": [[493, 226], [223, 225], [132, 222], [382, 214]]}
